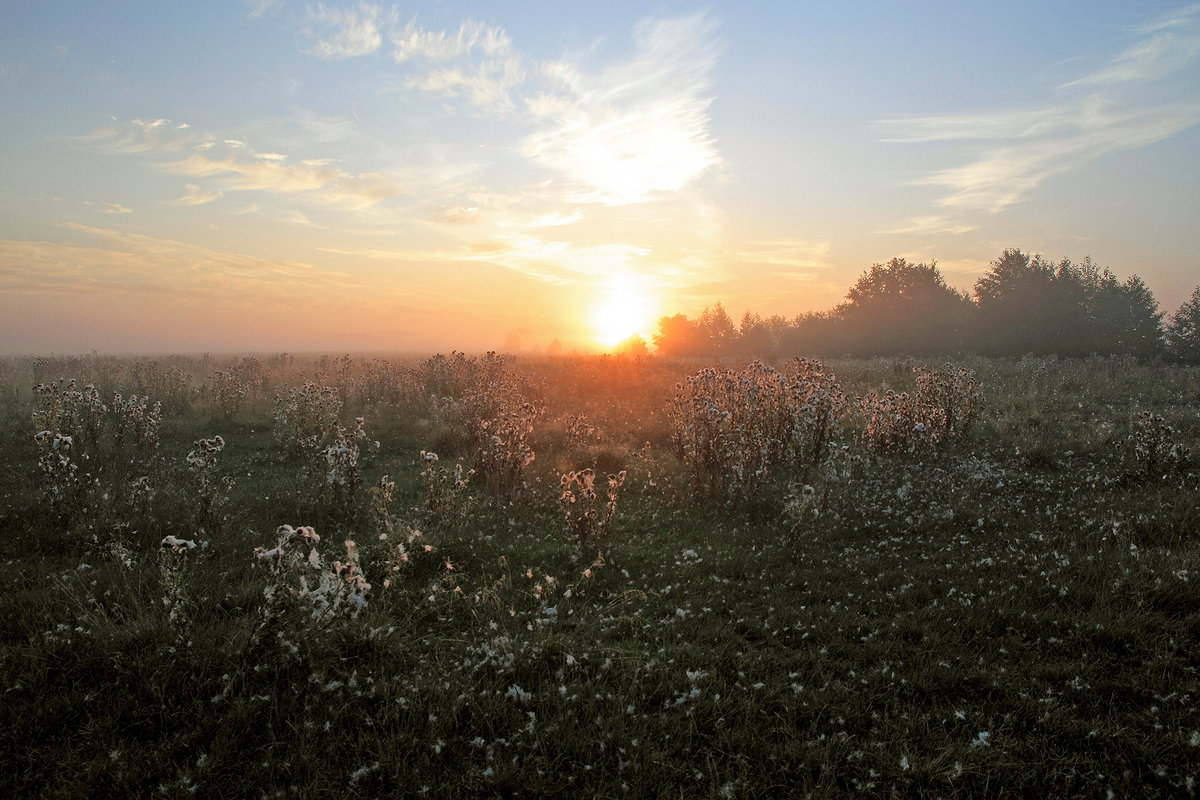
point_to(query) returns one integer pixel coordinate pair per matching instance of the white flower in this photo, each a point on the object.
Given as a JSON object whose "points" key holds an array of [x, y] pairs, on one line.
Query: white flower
{"points": [[177, 545]]}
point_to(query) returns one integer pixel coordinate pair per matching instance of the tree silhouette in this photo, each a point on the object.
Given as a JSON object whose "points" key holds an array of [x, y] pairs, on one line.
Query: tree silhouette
{"points": [[1139, 322], [1016, 305], [901, 308], [716, 329], [1029, 305], [1183, 331], [677, 336], [1022, 304]]}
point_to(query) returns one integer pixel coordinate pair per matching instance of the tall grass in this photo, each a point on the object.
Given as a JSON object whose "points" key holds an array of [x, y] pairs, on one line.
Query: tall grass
{"points": [[1003, 601]]}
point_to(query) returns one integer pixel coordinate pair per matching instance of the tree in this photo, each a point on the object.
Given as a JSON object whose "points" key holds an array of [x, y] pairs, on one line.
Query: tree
{"points": [[758, 336], [677, 336], [1016, 301], [1139, 326], [901, 308], [1183, 331], [717, 330], [635, 345], [1028, 305]]}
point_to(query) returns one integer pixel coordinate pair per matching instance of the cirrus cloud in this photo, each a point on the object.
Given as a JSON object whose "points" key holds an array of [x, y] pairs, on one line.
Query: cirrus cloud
{"points": [[1124, 105]]}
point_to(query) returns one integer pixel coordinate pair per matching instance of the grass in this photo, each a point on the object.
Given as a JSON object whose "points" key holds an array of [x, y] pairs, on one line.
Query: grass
{"points": [[1014, 613]]}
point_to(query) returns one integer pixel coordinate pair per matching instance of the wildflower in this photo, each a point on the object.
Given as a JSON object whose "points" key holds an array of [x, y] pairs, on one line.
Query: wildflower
{"points": [[177, 545]]}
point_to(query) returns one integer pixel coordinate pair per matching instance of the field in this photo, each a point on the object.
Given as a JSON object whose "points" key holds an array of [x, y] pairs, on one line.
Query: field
{"points": [[598, 577]]}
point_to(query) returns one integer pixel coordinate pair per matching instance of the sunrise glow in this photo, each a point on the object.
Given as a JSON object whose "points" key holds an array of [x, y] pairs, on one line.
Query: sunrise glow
{"points": [[276, 175], [626, 309]]}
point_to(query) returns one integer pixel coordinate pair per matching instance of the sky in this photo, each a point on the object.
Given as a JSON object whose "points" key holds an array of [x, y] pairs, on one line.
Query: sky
{"points": [[354, 176]]}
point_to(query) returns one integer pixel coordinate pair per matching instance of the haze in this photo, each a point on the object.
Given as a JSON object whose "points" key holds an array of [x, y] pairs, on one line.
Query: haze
{"points": [[356, 176]]}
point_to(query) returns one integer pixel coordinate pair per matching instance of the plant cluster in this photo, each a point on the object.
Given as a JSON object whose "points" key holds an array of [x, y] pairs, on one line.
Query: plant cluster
{"points": [[304, 592], [588, 516], [227, 393], [956, 391], [446, 500], [732, 429], [342, 477], [943, 406], [306, 418], [503, 450], [212, 490], [1156, 448], [91, 452]]}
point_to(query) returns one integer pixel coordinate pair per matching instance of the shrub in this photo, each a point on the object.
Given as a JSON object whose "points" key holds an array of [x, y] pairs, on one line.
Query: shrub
{"points": [[587, 519], [731, 429]]}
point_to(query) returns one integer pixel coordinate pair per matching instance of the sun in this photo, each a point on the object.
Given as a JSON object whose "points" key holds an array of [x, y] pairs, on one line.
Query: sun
{"points": [[625, 308]]}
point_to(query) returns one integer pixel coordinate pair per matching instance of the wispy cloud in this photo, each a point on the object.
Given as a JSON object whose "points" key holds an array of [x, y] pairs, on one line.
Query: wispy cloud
{"points": [[930, 224], [785, 253], [550, 261], [349, 31], [477, 62], [415, 42], [238, 167], [115, 261], [258, 8], [617, 135], [1129, 103], [787, 259], [1168, 45], [637, 128], [195, 196], [322, 181], [108, 208]]}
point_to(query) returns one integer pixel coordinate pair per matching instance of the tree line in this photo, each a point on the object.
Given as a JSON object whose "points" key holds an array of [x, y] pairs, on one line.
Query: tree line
{"points": [[1024, 304]]}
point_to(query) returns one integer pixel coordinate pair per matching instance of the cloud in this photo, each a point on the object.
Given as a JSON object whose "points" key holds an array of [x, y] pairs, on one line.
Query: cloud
{"points": [[554, 262], [476, 63], [786, 253], [456, 215], [487, 86], [108, 208], [415, 42], [260, 7], [1130, 103], [618, 135], [196, 196], [1006, 173], [238, 167], [10, 73], [1170, 43], [638, 128], [931, 224], [323, 182], [789, 259], [140, 136], [116, 261], [350, 31]]}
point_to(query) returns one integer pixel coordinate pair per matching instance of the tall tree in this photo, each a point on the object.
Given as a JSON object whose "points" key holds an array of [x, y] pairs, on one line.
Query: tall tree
{"points": [[1140, 330], [1183, 331], [902, 308], [717, 330], [1016, 305], [677, 336]]}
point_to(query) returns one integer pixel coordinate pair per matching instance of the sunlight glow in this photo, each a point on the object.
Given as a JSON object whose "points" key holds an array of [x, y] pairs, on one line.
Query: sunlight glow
{"points": [[626, 307]]}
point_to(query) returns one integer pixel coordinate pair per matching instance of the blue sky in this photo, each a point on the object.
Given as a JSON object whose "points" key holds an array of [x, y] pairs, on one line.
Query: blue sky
{"points": [[346, 176]]}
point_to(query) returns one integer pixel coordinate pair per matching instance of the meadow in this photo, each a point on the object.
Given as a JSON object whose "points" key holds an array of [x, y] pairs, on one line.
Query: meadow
{"points": [[598, 576]]}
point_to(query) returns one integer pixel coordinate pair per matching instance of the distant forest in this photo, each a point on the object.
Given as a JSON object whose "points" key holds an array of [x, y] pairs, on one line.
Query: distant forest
{"points": [[1022, 305]]}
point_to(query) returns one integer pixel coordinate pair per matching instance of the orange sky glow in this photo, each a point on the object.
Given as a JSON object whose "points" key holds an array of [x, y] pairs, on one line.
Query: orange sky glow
{"points": [[357, 177]]}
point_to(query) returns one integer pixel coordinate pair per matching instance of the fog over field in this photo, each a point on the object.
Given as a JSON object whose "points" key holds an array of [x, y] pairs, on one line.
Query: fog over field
{"points": [[541, 399]]}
